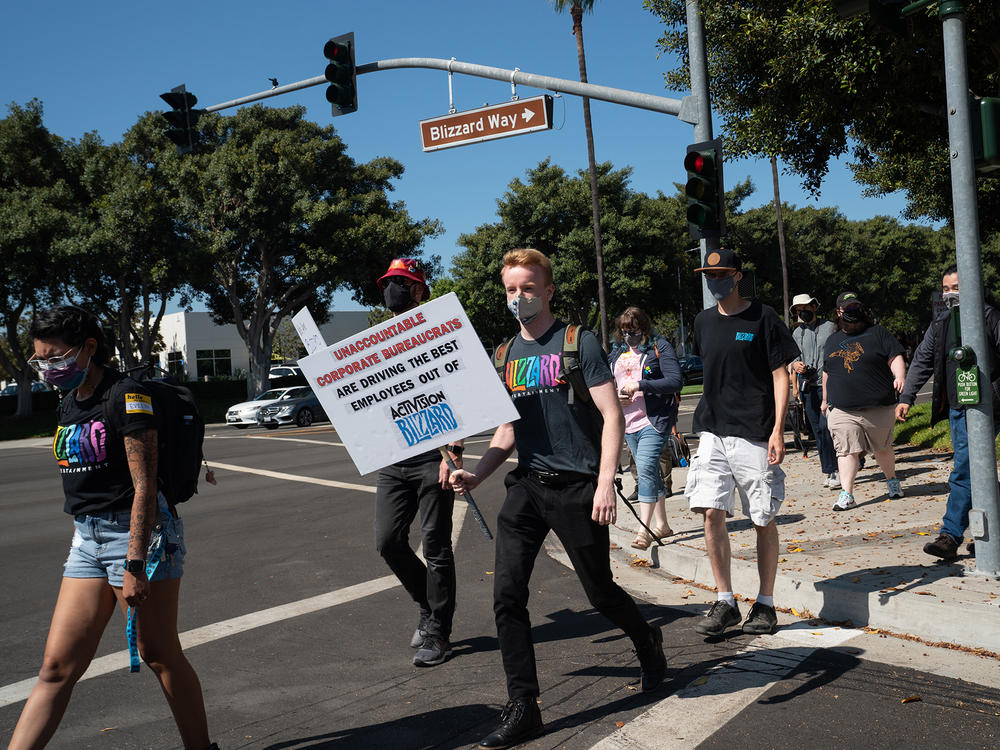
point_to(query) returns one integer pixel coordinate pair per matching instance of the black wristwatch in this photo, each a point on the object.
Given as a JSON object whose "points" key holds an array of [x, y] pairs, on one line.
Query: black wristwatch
{"points": [[456, 449], [135, 567]]}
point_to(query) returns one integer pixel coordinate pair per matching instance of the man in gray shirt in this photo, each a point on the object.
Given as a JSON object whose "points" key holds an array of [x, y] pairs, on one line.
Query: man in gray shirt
{"points": [[811, 334]]}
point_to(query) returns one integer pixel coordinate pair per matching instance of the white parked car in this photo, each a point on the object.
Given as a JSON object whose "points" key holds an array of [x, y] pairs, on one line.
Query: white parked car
{"points": [[283, 371], [244, 414]]}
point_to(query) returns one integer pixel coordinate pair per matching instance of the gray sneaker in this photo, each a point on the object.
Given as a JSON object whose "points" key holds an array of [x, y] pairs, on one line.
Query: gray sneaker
{"points": [[420, 633], [834, 480], [894, 489], [433, 651]]}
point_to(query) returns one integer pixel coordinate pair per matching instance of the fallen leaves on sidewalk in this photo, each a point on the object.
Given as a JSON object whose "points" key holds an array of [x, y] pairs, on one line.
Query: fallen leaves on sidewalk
{"points": [[911, 699], [686, 594]]}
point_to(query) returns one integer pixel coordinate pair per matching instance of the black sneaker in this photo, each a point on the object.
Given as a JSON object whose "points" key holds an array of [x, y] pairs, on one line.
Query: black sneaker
{"points": [[971, 548], [634, 497], [433, 651], [944, 547], [762, 620], [520, 720], [721, 616], [652, 660]]}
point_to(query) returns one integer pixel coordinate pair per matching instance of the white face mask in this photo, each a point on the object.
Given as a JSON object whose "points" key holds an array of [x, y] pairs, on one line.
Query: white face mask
{"points": [[525, 309], [950, 299]]}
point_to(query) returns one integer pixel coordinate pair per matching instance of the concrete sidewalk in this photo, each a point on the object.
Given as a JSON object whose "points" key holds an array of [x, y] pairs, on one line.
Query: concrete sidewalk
{"points": [[865, 565]]}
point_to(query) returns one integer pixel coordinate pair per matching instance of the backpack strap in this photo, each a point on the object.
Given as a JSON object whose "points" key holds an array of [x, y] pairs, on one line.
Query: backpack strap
{"points": [[572, 372], [500, 357]]}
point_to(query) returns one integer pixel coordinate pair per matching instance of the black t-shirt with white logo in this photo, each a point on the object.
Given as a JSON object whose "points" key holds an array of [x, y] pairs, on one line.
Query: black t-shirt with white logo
{"points": [[857, 368], [552, 434], [739, 353], [89, 446]]}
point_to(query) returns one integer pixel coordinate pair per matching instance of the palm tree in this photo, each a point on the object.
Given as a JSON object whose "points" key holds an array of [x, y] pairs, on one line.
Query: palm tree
{"points": [[576, 10]]}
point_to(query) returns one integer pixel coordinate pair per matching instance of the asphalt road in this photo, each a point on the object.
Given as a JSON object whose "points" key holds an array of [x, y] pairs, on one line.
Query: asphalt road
{"points": [[300, 635]]}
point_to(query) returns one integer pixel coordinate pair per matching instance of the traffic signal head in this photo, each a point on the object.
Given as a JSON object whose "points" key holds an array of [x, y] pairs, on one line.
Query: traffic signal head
{"points": [[342, 93], [182, 118], [704, 191]]}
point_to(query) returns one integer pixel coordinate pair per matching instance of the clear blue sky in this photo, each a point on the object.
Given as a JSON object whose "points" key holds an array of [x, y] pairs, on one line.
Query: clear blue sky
{"points": [[98, 66]]}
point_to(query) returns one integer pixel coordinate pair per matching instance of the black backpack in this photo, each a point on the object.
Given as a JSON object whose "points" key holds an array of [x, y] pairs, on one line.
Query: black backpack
{"points": [[181, 433]]}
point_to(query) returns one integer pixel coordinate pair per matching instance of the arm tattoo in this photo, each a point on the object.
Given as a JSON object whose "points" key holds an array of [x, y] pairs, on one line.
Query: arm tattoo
{"points": [[141, 454]]}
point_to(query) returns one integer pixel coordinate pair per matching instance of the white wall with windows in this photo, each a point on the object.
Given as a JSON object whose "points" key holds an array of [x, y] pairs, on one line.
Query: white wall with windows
{"points": [[196, 348]]}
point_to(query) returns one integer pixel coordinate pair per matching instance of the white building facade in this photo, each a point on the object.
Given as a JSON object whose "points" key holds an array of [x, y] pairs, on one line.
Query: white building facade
{"points": [[197, 348]]}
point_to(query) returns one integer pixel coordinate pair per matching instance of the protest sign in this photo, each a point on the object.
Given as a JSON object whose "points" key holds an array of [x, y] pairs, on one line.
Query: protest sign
{"points": [[409, 385]]}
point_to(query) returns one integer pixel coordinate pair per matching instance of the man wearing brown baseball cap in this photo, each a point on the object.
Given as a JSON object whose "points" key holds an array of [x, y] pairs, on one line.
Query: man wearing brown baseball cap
{"points": [[746, 349]]}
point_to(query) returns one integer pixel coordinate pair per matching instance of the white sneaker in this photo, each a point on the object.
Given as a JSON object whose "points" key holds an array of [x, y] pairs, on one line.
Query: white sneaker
{"points": [[845, 501], [834, 481]]}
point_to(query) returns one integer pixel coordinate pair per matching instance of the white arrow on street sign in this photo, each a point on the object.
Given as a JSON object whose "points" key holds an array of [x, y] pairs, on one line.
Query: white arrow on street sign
{"points": [[487, 123]]}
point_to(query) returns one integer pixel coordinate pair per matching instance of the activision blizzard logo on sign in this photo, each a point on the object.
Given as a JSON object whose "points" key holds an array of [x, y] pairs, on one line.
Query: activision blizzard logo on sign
{"points": [[423, 417]]}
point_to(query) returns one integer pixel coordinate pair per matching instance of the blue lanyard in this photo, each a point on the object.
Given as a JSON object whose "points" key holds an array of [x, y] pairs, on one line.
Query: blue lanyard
{"points": [[131, 632]]}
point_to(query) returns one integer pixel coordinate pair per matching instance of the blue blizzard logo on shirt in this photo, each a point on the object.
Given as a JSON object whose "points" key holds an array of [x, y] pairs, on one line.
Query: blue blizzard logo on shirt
{"points": [[744, 336], [423, 417]]}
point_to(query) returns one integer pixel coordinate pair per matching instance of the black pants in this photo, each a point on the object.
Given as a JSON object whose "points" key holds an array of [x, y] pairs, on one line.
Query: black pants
{"points": [[530, 510], [400, 492]]}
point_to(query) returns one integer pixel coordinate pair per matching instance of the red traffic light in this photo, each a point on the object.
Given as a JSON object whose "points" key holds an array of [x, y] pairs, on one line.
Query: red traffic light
{"points": [[699, 162], [339, 51]]}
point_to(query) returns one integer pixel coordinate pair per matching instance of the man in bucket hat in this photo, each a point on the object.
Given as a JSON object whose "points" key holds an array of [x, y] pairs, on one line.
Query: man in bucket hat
{"points": [[810, 336]]}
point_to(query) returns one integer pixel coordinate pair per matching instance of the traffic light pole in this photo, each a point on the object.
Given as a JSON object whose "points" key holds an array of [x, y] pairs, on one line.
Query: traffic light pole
{"points": [[684, 109], [984, 519], [698, 61]]}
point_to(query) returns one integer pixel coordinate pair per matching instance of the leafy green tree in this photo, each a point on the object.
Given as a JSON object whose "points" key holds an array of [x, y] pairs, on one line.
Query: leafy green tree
{"points": [[791, 78], [577, 8], [36, 215], [645, 245], [894, 267], [282, 217], [130, 233]]}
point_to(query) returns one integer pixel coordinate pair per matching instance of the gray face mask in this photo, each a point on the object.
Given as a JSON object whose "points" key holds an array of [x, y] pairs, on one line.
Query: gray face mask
{"points": [[950, 299], [721, 288], [633, 339], [525, 309]]}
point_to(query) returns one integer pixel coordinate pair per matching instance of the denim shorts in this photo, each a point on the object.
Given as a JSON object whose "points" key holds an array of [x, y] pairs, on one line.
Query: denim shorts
{"points": [[100, 546]]}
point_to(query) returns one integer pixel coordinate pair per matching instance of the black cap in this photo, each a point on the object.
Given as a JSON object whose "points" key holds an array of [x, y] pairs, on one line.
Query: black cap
{"points": [[847, 298], [722, 260]]}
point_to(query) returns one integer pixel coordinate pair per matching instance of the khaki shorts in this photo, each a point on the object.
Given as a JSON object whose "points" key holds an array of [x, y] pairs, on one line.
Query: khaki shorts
{"points": [[724, 466], [861, 430]]}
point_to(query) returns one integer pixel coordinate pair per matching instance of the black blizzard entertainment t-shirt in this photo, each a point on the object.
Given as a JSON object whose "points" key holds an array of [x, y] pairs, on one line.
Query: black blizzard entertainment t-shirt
{"points": [[857, 368], [89, 444], [552, 434], [739, 353]]}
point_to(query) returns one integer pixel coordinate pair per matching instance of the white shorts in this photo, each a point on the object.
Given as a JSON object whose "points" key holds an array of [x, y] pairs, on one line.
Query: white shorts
{"points": [[724, 465]]}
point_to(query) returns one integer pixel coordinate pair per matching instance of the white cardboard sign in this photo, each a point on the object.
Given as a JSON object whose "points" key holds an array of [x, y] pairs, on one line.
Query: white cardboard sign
{"points": [[308, 331], [411, 384]]}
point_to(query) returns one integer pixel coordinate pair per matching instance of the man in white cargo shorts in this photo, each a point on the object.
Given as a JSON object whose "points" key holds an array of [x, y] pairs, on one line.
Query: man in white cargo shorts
{"points": [[745, 349]]}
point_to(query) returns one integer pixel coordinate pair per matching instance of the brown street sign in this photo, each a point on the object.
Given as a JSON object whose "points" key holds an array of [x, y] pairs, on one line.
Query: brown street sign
{"points": [[487, 123]]}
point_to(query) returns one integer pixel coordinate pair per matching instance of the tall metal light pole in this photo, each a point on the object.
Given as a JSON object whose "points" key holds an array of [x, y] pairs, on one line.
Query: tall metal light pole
{"points": [[984, 519], [698, 61]]}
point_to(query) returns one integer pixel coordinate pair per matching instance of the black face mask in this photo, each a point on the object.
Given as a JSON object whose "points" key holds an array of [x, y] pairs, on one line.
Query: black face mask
{"points": [[807, 316], [853, 315], [397, 297]]}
